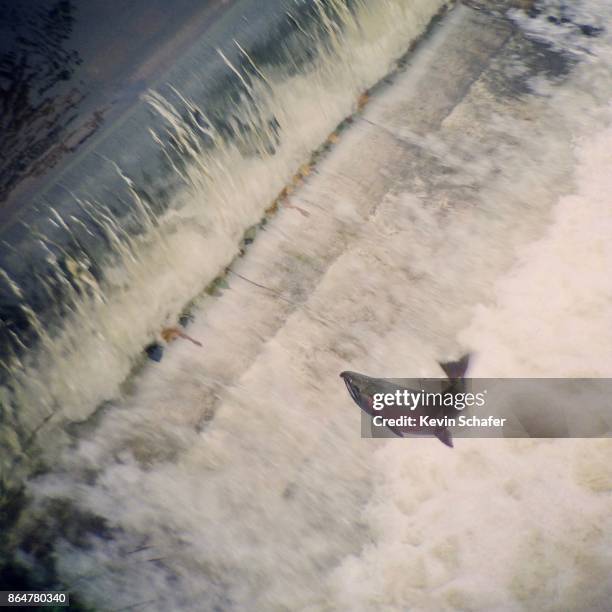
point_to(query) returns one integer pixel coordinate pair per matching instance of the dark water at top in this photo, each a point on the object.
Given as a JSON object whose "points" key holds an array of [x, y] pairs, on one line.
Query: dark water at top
{"points": [[66, 67]]}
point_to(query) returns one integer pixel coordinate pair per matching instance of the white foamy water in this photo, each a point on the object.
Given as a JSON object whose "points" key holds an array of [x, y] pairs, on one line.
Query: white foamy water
{"points": [[510, 524], [233, 477], [552, 313]]}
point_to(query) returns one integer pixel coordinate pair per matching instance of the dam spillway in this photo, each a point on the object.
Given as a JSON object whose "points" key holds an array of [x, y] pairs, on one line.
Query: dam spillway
{"points": [[234, 477]]}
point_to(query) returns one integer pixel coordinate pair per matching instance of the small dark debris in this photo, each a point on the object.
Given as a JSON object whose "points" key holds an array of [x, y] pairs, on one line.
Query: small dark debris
{"points": [[589, 30], [185, 319], [154, 351], [216, 286]]}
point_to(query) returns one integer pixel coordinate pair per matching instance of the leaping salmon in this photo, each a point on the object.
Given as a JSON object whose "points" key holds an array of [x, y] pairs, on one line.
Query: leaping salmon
{"points": [[363, 389]]}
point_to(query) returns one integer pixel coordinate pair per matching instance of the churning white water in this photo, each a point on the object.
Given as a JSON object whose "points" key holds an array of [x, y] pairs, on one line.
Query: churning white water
{"points": [[450, 216]]}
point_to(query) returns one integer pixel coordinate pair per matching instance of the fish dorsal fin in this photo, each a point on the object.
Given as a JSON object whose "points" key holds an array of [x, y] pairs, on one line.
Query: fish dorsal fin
{"points": [[456, 369], [444, 435]]}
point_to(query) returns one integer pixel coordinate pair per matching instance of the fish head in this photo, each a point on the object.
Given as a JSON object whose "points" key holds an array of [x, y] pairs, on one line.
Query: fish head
{"points": [[358, 388]]}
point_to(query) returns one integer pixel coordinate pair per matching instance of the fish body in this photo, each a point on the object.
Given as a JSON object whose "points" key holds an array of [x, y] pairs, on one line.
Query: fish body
{"points": [[364, 389]]}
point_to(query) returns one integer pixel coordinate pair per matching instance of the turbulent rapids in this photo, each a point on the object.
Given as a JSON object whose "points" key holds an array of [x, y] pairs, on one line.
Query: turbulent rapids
{"points": [[336, 185]]}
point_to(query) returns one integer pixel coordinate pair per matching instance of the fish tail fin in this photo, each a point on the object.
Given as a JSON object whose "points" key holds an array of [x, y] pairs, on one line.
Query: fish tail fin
{"points": [[444, 435], [456, 369]]}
